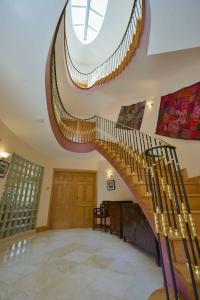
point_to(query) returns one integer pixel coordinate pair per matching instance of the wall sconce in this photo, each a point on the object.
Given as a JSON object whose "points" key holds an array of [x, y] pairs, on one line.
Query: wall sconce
{"points": [[109, 174], [150, 104], [4, 154]]}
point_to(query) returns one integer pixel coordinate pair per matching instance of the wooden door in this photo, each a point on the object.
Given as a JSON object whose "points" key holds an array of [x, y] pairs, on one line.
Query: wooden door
{"points": [[73, 199]]}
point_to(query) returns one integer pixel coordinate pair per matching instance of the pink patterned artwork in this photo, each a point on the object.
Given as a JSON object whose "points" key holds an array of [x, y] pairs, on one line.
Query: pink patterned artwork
{"points": [[132, 115], [179, 114]]}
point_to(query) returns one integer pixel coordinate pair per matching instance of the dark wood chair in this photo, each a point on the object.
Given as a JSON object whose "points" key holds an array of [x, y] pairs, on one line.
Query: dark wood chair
{"points": [[100, 214]]}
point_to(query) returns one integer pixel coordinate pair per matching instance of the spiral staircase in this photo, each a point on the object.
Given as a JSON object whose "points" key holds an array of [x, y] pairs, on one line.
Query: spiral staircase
{"points": [[149, 166]]}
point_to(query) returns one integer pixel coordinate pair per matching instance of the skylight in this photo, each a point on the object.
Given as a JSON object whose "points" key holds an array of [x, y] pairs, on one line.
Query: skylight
{"points": [[87, 18]]}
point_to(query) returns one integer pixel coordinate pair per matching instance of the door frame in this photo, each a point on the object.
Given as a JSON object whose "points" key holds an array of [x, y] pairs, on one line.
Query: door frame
{"points": [[69, 171]]}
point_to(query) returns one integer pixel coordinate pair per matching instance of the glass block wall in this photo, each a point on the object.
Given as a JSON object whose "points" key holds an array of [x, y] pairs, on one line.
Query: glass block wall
{"points": [[19, 201]]}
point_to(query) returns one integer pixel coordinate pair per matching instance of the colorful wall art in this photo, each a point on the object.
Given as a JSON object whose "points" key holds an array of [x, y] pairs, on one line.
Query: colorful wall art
{"points": [[132, 115], [179, 114]]}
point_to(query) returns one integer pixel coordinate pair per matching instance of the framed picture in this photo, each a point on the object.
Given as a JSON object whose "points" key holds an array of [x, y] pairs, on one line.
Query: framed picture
{"points": [[3, 167], [110, 185]]}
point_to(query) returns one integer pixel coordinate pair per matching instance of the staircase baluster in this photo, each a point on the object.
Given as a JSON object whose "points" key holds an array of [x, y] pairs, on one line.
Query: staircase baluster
{"points": [[142, 155], [164, 227], [156, 221], [126, 146], [163, 186], [101, 126], [130, 152], [104, 136], [140, 175], [113, 136], [122, 141], [110, 133], [181, 224], [185, 212], [117, 140], [135, 152], [175, 231], [187, 202], [145, 164]]}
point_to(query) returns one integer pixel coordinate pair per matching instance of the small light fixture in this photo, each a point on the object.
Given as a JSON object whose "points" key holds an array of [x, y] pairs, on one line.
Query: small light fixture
{"points": [[4, 154], [109, 174], [150, 104]]}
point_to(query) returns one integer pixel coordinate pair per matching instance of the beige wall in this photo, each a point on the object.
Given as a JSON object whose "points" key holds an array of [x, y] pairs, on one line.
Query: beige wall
{"points": [[11, 143], [169, 29], [120, 193], [186, 73], [78, 161], [88, 161]]}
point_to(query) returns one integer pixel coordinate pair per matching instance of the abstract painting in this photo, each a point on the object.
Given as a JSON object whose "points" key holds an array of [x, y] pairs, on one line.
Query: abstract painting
{"points": [[131, 115], [179, 114]]}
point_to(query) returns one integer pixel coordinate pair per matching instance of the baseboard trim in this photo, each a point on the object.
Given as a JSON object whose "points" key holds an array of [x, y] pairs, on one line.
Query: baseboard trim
{"points": [[41, 228]]}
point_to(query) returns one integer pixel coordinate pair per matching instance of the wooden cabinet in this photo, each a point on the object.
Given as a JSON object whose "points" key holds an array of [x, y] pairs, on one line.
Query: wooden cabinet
{"points": [[115, 213], [137, 230]]}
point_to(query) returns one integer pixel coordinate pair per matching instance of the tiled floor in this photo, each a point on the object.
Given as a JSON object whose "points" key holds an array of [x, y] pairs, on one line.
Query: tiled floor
{"points": [[75, 265]]}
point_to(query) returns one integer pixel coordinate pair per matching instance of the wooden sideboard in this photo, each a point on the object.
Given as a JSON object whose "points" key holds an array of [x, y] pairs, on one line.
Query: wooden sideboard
{"points": [[137, 230], [128, 221], [116, 220]]}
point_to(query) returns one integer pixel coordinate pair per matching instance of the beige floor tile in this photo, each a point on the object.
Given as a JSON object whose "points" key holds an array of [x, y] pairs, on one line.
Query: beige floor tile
{"points": [[77, 256], [99, 261], [60, 252], [77, 264], [85, 274], [114, 284], [92, 294]]}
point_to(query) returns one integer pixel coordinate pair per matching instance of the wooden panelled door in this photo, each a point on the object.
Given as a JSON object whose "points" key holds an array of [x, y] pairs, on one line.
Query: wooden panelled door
{"points": [[73, 199]]}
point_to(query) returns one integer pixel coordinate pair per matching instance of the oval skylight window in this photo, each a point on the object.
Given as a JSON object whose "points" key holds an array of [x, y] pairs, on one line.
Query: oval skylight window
{"points": [[87, 18]]}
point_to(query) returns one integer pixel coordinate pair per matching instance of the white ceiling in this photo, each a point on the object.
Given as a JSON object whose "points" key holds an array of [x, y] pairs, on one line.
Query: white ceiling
{"points": [[174, 25], [26, 28]]}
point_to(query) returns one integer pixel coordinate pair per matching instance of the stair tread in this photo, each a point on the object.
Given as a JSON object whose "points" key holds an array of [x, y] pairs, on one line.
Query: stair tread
{"points": [[189, 195], [193, 211], [186, 184], [183, 270], [176, 238]]}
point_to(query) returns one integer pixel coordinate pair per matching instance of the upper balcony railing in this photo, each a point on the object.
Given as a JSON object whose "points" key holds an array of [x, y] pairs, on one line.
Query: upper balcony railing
{"points": [[118, 61]]}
